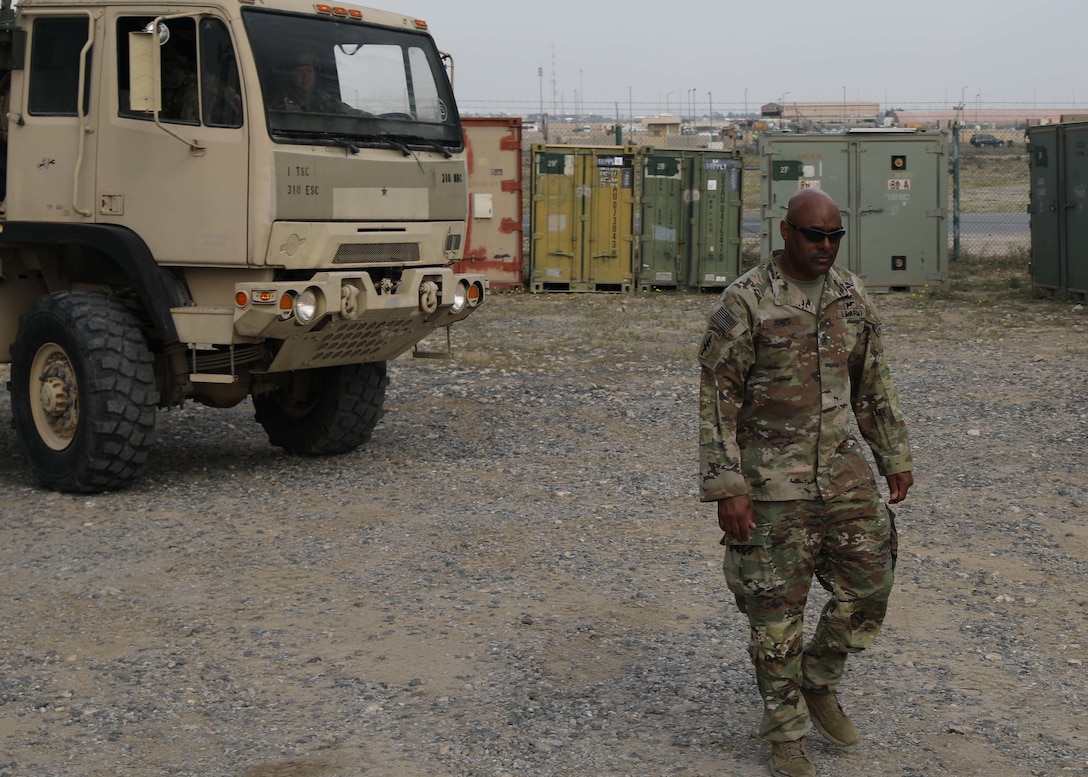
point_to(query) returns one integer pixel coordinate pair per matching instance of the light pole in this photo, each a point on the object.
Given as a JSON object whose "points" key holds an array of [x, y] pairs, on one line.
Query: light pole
{"points": [[844, 107], [959, 108], [782, 108], [543, 124], [581, 94]]}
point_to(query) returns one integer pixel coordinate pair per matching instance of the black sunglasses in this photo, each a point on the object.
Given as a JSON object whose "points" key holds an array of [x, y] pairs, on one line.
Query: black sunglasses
{"points": [[818, 235]]}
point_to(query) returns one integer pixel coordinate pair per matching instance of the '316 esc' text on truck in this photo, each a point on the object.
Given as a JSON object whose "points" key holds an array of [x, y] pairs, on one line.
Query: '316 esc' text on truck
{"points": [[216, 200]]}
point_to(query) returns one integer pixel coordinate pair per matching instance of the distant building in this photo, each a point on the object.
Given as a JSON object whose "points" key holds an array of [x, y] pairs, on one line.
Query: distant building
{"points": [[985, 118], [662, 126], [804, 115]]}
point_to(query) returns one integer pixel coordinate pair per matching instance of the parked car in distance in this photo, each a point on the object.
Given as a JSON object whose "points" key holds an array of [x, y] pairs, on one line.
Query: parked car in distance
{"points": [[982, 139]]}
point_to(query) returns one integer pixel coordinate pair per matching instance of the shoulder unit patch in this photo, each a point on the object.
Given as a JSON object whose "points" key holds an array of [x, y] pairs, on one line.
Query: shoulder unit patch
{"points": [[708, 349]]}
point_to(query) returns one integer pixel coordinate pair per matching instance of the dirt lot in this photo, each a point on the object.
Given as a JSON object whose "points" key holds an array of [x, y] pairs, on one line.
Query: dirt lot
{"points": [[515, 577]]}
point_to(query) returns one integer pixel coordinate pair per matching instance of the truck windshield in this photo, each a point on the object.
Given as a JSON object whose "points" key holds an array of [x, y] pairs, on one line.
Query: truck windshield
{"points": [[326, 80]]}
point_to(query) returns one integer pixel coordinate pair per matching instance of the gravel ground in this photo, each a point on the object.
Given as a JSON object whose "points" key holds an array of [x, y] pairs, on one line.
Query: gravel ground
{"points": [[515, 576]]}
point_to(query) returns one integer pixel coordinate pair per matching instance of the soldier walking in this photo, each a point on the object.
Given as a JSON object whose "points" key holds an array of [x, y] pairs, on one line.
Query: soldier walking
{"points": [[791, 350]]}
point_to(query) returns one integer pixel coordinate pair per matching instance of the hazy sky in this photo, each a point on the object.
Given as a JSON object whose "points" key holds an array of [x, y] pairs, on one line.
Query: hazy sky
{"points": [[649, 55]]}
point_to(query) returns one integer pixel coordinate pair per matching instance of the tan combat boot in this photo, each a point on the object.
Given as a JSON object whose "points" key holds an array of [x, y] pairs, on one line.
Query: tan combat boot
{"points": [[830, 720], [789, 759]]}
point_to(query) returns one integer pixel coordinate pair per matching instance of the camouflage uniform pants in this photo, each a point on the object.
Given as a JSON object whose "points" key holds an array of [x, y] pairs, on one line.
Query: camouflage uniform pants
{"points": [[850, 545]]}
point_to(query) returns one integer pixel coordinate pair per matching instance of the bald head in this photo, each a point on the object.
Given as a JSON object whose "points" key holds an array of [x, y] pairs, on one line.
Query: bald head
{"points": [[810, 204]]}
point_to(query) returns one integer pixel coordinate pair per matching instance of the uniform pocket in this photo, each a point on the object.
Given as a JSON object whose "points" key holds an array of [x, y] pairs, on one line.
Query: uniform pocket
{"points": [[747, 567], [893, 535]]}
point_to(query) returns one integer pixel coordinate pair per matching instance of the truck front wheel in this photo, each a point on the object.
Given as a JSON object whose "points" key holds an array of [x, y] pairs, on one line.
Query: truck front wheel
{"points": [[82, 392], [324, 411]]}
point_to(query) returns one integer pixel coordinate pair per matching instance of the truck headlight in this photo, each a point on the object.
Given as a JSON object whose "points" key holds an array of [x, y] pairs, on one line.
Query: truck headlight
{"points": [[307, 305], [460, 297]]}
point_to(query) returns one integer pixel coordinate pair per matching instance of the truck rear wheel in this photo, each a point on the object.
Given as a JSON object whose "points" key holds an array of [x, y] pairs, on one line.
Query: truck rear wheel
{"points": [[82, 392], [327, 411]]}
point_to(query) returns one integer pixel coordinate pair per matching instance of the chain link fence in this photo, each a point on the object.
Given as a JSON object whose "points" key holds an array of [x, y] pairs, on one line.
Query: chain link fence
{"points": [[989, 194]]}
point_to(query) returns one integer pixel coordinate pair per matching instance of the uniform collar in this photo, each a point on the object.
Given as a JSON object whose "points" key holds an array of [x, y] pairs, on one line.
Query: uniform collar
{"points": [[786, 293]]}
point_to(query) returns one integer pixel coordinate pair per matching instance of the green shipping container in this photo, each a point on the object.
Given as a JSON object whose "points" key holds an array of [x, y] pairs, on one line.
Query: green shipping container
{"points": [[691, 219], [665, 220], [891, 187], [582, 218], [1058, 155], [714, 257]]}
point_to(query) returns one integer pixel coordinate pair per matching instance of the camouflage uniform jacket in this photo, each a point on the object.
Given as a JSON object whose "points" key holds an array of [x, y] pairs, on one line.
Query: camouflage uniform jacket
{"points": [[779, 383]]}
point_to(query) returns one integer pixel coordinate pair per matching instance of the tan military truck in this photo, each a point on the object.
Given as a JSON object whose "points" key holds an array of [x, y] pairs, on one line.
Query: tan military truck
{"points": [[215, 200]]}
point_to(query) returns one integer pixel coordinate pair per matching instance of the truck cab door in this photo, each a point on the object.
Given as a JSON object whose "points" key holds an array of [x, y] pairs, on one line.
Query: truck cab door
{"points": [[180, 182], [50, 154]]}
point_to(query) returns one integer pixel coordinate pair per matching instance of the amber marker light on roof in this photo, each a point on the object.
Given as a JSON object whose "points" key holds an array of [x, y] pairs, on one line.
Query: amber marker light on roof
{"points": [[338, 10], [420, 24], [322, 8], [355, 13]]}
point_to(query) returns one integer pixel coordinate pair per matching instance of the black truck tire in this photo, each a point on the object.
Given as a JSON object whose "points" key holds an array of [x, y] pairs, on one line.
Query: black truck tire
{"points": [[83, 392], [333, 409]]}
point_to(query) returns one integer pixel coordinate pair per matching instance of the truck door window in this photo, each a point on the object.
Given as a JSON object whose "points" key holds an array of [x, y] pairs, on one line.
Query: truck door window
{"points": [[177, 74], [190, 92], [177, 58], [220, 88], [54, 67]]}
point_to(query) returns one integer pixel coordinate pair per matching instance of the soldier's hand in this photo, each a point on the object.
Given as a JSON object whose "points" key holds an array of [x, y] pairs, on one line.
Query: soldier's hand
{"points": [[898, 485], [736, 517]]}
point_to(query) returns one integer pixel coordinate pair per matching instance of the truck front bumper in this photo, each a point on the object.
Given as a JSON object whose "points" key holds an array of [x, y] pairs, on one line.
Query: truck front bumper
{"points": [[335, 318]]}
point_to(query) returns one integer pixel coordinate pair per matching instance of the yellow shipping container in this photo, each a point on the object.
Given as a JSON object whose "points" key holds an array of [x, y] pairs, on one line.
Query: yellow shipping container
{"points": [[582, 218]]}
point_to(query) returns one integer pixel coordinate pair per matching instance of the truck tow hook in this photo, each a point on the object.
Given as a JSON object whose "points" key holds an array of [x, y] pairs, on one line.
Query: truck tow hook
{"points": [[428, 296]]}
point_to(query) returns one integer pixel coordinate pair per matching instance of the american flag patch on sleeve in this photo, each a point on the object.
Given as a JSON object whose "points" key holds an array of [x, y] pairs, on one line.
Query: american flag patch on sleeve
{"points": [[722, 319]]}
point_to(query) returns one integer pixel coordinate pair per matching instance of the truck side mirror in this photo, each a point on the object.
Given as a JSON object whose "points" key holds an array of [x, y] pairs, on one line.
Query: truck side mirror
{"points": [[145, 87], [12, 42]]}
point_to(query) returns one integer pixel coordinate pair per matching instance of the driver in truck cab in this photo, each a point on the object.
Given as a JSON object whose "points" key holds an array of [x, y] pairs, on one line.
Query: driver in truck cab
{"points": [[298, 90]]}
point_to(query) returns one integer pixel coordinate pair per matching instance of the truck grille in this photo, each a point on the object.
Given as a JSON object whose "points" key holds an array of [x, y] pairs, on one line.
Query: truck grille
{"points": [[377, 253], [358, 341]]}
